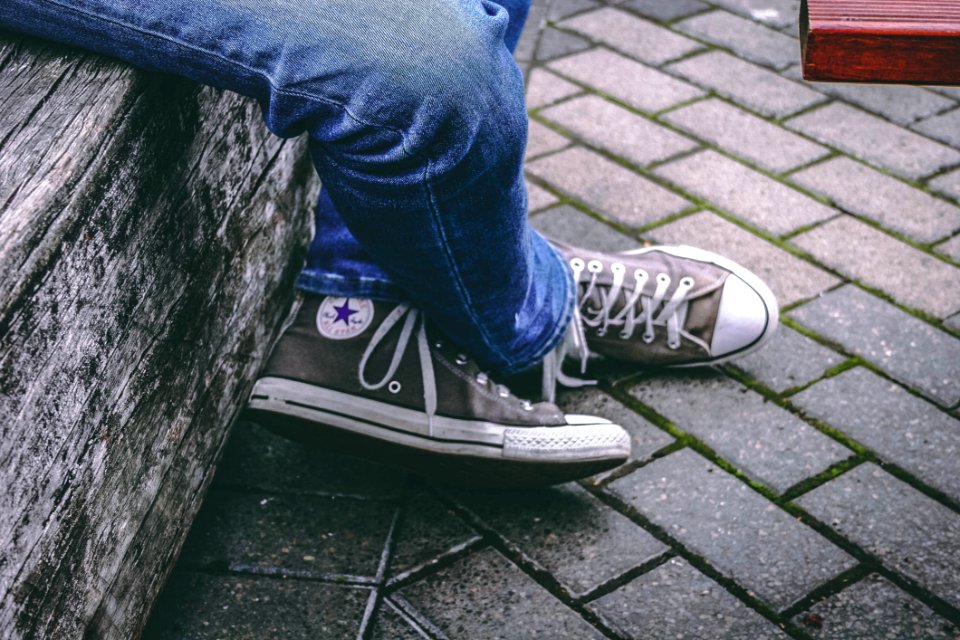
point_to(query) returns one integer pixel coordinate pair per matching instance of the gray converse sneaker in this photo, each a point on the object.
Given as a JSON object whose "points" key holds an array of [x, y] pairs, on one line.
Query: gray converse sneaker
{"points": [[376, 379], [667, 306]]}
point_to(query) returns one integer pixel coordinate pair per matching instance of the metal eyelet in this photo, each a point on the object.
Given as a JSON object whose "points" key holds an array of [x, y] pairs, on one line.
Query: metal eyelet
{"points": [[601, 332], [648, 337], [663, 278], [594, 266], [673, 345], [617, 267], [438, 344], [576, 263], [482, 378], [394, 387], [687, 281], [461, 359], [503, 392], [527, 405]]}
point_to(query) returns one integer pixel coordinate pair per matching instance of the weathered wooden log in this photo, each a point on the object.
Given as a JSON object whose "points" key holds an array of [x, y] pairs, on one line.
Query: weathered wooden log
{"points": [[150, 231]]}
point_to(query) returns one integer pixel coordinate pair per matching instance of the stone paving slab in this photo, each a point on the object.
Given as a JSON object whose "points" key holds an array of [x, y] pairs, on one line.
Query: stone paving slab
{"points": [[254, 608], [637, 139], [665, 11], [304, 535], [767, 145], [775, 13], [944, 127], [908, 532], [631, 35], [744, 37], [607, 187], [899, 427], [562, 8], [894, 204], [790, 278], [545, 88], [630, 82], [950, 248], [745, 193], [874, 608], [875, 140], [899, 103], [907, 348], [555, 43], [579, 540], [677, 601], [882, 262], [760, 439], [789, 360], [752, 86], [734, 528], [391, 624], [948, 183], [542, 140], [539, 198], [427, 530], [572, 226], [485, 596]]}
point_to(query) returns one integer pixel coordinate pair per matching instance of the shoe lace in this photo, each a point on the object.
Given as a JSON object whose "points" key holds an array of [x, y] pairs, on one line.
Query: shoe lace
{"points": [[622, 304], [414, 321]]}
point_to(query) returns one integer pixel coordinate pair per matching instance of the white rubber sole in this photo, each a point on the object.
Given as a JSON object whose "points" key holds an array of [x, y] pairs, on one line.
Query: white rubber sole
{"points": [[748, 277], [583, 439]]}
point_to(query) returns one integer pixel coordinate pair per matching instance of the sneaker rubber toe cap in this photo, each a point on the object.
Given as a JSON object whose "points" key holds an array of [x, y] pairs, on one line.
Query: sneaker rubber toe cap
{"points": [[746, 318]]}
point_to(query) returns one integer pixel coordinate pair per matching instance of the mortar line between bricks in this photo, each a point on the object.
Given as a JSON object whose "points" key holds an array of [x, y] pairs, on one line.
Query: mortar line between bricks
{"points": [[437, 563], [630, 467], [614, 48], [365, 628], [863, 454], [829, 588], [700, 563], [373, 604], [837, 369], [626, 577], [421, 632], [532, 569], [919, 592], [424, 623]]}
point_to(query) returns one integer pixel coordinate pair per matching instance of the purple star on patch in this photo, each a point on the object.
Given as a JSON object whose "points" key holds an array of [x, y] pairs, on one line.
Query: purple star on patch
{"points": [[344, 312]]}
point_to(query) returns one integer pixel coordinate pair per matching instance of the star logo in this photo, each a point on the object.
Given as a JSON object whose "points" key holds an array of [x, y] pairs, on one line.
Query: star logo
{"points": [[344, 312], [344, 318]]}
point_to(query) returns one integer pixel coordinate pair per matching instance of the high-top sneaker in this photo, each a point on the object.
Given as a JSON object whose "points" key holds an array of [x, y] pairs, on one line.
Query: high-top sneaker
{"points": [[376, 379], [671, 306]]}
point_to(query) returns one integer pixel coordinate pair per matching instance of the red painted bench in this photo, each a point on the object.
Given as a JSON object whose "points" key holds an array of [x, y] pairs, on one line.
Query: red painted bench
{"points": [[883, 41]]}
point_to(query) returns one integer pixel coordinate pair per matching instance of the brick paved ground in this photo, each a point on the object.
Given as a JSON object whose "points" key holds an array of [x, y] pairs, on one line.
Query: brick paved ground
{"points": [[810, 491]]}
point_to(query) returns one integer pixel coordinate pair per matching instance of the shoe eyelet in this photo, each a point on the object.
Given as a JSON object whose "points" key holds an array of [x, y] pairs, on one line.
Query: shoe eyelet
{"points": [[617, 267], [648, 337], [625, 335], [601, 332], [663, 278], [438, 344], [687, 282], [673, 345], [394, 386], [503, 392], [527, 405], [482, 378], [461, 359], [594, 266], [576, 263]]}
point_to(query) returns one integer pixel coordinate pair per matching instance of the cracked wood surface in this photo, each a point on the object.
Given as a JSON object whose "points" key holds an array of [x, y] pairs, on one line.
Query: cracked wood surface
{"points": [[150, 231]]}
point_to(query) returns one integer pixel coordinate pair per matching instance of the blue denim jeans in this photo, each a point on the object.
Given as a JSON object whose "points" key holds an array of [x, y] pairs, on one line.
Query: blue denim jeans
{"points": [[417, 128]]}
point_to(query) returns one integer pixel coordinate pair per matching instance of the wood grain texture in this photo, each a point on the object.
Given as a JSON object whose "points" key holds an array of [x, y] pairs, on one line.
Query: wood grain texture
{"points": [[150, 231], [883, 41]]}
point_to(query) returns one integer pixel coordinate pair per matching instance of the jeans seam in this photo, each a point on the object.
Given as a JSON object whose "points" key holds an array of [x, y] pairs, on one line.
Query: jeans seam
{"points": [[276, 89]]}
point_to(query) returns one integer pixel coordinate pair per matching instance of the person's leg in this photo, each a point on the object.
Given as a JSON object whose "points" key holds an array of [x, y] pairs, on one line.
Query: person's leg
{"points": [[417, 128]]}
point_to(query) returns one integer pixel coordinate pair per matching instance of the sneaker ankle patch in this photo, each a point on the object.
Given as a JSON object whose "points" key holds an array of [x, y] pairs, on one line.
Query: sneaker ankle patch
{"points": [[344, 318]]}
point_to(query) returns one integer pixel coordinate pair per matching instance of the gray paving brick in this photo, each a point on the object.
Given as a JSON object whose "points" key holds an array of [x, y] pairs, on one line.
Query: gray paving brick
{"points": [[874, 608], [677, 601], [776, 13], [898, 426], [745, 193], [950, 248], [604, 124], [948, 183], [630, 82], [579, 540], [536, 20], [944, 127], [542, 139], [874, 140], [883, 262], [951, 92], [789, 360], [750, 85], [790, 278], [665, 11], [759, 438], [907, 348], [573, 226], [392, 625], [900, 103], [631, 35], [746, 135], [953, 322], [197, 606], [310, 535], [562, 8], [554, 43], [871, 194], [427, 529], [607, 187], [908, 532], [255, 458], [545, 88], [745, 37], [646, 438], [734, 528], [538, 197], [484, 596]]}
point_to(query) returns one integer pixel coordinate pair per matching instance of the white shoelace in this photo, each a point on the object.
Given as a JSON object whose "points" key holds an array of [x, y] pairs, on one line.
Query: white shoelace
{"points": [[413, 320], [602, 318]]}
